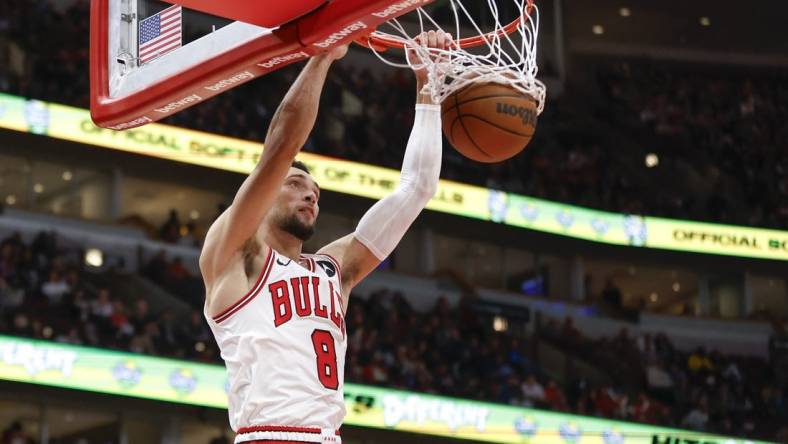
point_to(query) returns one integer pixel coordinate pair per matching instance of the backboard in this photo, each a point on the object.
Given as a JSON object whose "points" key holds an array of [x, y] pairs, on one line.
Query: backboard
{"points": [[150, 59]]}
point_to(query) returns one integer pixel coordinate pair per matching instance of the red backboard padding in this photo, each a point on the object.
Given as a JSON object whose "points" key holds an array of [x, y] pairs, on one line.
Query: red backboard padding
{"points": [[334, 23], [265, 13]]}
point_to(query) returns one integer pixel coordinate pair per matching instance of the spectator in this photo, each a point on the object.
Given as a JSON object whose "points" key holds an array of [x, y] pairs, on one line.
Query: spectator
{"points": [[120, 322], [189, 238], [643, 410], [102, 307], [145, 341], [71, 337], [533, 392], [156, 269], [605, 403], [8, 260], [170, 232], [78, 306], [177, 270], [196, 329], [169, 339], [554, 397], [141, 315], [732, 373], [55, 288], [657, 378], [15, 434], [10, 298], [697, 418], [699, 361]]}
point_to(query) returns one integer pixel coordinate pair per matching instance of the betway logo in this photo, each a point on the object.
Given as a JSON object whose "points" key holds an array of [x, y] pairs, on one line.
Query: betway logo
{"points": [[454, 415], [399, 7], [341, 34], [278, 60], [240, 77], [170, 107], [137, 122], [36, 359]]}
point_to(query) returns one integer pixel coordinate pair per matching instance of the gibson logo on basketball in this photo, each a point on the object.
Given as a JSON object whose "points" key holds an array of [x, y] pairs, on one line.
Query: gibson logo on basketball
{"points": [[527, 115], [302, 296]]}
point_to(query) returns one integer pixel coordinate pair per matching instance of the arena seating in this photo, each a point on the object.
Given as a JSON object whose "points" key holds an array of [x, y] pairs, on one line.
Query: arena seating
{"points": [[45, 293]]}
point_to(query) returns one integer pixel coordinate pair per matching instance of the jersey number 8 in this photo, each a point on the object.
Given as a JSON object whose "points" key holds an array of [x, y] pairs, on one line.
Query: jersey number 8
{"points": [[326, 358]]}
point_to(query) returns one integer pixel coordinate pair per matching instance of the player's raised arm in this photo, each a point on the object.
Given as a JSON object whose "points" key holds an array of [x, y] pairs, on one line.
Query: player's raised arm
{"points": [[384, 225], [289, 129]]}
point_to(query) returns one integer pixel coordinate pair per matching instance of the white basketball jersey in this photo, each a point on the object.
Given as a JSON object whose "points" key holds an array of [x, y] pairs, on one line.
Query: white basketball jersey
{"points": [[284, 346]]}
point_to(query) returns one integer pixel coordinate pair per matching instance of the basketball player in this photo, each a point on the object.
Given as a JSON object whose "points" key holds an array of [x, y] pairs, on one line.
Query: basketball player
{"points": [[278, 315]]}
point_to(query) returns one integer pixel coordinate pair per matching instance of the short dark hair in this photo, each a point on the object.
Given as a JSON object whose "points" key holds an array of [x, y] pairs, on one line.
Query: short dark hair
{"points": [[297, 164]]}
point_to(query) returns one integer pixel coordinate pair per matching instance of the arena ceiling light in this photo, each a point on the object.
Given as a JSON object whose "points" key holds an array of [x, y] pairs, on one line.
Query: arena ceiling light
{"points": [[598, 29], [652, 160], [500, 324], [94, 257], [624, 12], [705, 21]]}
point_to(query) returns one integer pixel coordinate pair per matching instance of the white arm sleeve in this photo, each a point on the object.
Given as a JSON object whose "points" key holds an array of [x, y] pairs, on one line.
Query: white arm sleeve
{"points": [[384, 225]]}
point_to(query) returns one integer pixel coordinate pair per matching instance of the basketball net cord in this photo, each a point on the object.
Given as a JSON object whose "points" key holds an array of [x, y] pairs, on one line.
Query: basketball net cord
{"points": [[501, 58]]}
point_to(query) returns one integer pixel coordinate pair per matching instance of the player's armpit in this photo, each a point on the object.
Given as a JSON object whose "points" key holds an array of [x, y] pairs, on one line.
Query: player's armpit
{"points": [[242, 218]]}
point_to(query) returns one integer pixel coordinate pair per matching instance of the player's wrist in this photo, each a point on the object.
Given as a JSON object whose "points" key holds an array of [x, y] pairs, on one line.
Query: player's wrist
{"points": [[423, 95], [424, 99], [323, 60]]}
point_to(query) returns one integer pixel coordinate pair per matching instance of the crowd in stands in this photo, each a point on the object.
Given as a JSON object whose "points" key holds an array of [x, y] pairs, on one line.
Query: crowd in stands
{"points": [[15, 434], [456, 352], [175, 277], [43, 294], [453, 351], [698, 390], [721, 131], [720, 138]]}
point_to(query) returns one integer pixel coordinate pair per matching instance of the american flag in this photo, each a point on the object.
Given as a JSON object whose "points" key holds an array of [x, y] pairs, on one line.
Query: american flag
{"points": [[160, 33]]}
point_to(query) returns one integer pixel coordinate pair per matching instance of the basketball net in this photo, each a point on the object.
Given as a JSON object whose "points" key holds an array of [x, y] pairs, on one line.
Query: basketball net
{"points": [[505, 54]]}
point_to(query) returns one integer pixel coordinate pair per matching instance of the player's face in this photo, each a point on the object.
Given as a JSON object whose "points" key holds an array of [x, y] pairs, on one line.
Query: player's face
{"points": [[298, 204]]}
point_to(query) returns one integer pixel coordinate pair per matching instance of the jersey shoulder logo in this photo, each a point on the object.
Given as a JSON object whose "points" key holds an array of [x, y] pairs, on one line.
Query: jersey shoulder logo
{"points": [[327, 267]]}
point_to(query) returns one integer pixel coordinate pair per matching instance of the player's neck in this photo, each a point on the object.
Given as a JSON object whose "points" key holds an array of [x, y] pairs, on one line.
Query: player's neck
{"points": [[283, 242]]}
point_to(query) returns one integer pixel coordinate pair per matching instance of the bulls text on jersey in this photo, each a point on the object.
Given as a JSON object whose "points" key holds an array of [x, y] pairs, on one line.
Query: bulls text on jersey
{"points": [[300, 296]]}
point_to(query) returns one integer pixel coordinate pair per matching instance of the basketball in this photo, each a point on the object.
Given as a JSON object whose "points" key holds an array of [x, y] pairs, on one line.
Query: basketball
{"points": [[489, 122]]}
